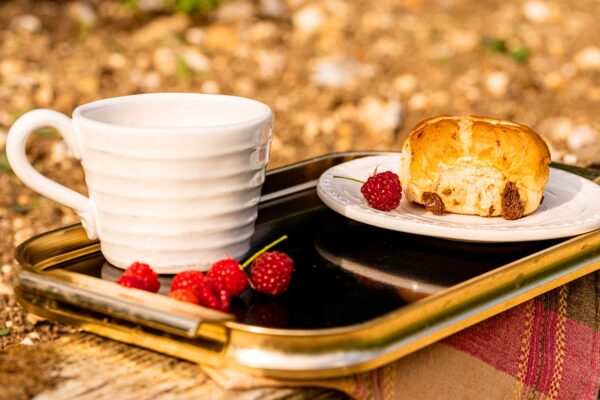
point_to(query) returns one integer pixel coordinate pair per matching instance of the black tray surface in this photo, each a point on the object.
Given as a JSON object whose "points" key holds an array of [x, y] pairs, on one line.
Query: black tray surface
{"points": [[346, 272]]}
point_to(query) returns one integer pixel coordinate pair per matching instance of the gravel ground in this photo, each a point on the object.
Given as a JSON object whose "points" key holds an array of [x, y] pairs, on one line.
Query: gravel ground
{"points": [[340, 75]]}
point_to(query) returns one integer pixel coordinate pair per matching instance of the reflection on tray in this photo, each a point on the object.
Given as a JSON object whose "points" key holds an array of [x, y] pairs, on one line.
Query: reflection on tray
{"points": [[416, 266], [408, 288], [347, 272]]}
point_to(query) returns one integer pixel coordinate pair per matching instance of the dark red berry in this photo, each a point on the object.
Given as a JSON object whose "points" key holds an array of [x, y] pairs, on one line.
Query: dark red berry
{"points": [[146, 274], [186, 280], [131, 281], [212, 294], [271, 314], [230, 273], [186, 295], [271, 272], [383, 191]]}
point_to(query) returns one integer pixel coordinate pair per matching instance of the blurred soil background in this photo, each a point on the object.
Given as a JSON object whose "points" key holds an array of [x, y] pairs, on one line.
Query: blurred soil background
{"points": [[339, 74]]}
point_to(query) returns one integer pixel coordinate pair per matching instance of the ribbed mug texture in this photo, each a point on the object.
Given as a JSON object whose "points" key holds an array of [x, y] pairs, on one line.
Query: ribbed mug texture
{"points": [[172, 201]]}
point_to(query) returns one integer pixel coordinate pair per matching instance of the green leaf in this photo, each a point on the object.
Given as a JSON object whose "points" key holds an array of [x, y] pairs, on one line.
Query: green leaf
{"points": [[445, 62], [4, 332], [36, 204], [495, 45], [20, 114], [195, 6], [183, 72], [4, 165], [185, 6], [130, 4], [47, 132], [521, 54], [435, 35]]}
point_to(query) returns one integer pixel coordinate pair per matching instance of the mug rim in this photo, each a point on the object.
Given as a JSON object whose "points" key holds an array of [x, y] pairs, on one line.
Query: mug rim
{"points": [[266, 113]]}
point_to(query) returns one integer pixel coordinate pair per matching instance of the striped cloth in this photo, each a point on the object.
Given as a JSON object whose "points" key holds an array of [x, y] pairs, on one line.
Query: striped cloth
{"points": [[546, 348]]}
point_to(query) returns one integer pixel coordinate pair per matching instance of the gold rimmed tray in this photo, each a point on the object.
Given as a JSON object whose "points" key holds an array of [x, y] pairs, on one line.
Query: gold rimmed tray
{"points": [[360, 296]]}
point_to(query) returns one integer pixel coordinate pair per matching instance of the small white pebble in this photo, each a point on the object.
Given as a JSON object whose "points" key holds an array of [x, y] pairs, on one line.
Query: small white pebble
{"points": [[496, 83], [588, 58], [568, 70], [210, 87], [197, 61], [83, 13], [195, 36], [309, 19], [8, 324], [27, 22], [33, 335], [27, 341], [151, 81], [116, 60], [536, 11], [151, 5], [417, 101], [34, 319], [6, 268], [334, 72], [570, 159], [405, 83], [5, 289], [581, 136]]}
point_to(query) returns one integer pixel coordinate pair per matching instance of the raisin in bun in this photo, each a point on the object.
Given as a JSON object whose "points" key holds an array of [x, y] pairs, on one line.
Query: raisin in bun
{"points": [[475, 165]]}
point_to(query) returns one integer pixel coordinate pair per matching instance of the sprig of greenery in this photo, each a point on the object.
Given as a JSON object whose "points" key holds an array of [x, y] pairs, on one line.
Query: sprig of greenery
{"points": [[521, 54], [185, 6], [47, 133], [195, 6], [183, 72], [4, 165], [495, 45], [500, 46]]}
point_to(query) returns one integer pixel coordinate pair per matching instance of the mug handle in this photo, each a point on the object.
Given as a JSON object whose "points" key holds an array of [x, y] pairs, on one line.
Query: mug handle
{"points": [[15, 152]]}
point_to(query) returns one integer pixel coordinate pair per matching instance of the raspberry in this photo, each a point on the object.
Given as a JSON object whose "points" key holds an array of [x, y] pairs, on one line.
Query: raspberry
{"points": [[186, 280], [186, 295], [382, 191], [131, 281], [270, 314], [271, 272], [230, 273], [145, 274], [212, 294]]}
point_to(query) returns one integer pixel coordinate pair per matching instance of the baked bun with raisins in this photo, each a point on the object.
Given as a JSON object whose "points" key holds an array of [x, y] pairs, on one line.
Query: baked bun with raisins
{"points": [[476, 166]]}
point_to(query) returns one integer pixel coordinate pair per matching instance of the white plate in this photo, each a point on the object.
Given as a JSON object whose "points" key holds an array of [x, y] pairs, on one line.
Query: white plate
{"points": [[571, 206]]}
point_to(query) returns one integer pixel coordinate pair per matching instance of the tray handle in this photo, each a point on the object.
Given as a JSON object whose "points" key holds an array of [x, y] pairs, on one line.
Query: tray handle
{"points": [[133, 305]]}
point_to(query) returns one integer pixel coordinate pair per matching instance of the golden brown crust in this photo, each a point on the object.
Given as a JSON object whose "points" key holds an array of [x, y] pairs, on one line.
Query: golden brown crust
{"points": [[503, 151], [516, 150]]}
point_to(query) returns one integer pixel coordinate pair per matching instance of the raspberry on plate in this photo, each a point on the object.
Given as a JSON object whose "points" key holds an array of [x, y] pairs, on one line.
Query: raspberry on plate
{"points": [[230, 273], [212, 294], [382, 191], [131, 281], [271, 272], [186, 295], [186, 280], [144, 273]]}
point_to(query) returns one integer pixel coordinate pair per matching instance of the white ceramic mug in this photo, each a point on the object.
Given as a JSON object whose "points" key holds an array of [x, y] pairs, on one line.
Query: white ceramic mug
{"points": [[174, 179]]}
